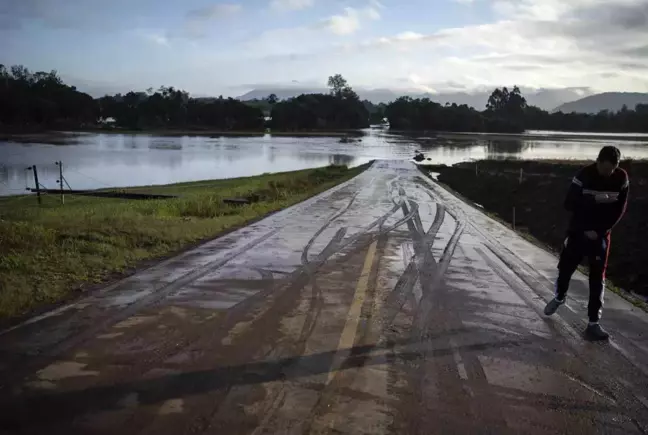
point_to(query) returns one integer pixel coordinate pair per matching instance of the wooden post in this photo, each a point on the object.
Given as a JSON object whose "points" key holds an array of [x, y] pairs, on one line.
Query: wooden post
{"points": [[521, 174], [476, 169], [60, 165], [38, 194], [513, 218]]}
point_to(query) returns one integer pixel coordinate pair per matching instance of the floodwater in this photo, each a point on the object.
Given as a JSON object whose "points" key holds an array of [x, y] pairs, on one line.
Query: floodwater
{"points": [[93, 161]]}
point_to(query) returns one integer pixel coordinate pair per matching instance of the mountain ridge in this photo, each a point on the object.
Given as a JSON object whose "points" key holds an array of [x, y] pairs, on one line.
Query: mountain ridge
{"points": [[612, 101]]}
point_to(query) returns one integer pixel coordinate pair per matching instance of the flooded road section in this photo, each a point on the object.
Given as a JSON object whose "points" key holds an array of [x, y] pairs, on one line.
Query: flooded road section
{"points": [[385, 305]]}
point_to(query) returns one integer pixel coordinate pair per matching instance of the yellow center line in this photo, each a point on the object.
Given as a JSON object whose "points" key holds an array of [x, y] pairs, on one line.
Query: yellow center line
{"points": [[353, 316]]}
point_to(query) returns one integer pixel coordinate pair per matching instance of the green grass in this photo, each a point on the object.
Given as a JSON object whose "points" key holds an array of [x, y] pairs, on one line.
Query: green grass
{"points": [[54, 252]]}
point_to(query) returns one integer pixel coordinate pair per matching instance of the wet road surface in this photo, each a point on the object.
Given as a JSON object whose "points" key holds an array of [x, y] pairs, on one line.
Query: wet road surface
{"points": [[385, 305]]}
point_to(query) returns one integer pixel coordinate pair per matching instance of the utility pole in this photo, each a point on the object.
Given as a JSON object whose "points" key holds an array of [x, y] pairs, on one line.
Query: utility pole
{"points": [[60, 180], [38, 194]]}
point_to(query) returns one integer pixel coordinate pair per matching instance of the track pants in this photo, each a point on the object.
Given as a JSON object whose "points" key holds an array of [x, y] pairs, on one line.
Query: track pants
{"points": [[575, 248]]}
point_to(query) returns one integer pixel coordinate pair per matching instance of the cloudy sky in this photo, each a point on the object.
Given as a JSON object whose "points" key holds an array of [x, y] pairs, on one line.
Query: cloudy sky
{"points": [[228, 47]]}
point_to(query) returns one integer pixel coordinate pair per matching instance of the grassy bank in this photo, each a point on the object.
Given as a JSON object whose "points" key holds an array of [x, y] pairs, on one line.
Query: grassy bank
{"points": [[538, 202], [53, 252]]}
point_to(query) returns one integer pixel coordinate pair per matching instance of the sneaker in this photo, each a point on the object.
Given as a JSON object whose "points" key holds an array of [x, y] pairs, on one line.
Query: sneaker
{"points": [[595, 332], [553, 306]]}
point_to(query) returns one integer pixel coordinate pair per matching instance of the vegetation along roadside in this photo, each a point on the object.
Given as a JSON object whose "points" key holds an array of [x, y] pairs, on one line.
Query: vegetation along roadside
{"points": [[537, 193], [55, 252]]}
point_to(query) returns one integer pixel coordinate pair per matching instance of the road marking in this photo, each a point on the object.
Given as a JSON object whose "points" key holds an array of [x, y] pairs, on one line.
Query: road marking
{"points": [[353, 317], [461, 368]]}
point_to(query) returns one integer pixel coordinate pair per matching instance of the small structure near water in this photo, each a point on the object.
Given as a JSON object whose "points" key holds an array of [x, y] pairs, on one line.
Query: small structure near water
{"points": [[419, 157]]}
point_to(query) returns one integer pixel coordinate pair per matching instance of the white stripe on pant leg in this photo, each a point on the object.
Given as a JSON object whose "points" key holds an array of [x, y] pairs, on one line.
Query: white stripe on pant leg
{"points": [[602, 298]]}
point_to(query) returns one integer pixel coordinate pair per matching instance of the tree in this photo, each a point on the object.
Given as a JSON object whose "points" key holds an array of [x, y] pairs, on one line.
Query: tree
{"points": [[272, 99], [505, 111], [504, 102], [338, 85]]}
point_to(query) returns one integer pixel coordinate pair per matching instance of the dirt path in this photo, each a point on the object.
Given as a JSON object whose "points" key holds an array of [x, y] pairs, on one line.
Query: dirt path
{"points": [[383, 306]]}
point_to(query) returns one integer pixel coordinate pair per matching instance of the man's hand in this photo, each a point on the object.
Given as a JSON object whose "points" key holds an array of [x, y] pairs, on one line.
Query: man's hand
{"points": [[604, 198], [592, 235]]}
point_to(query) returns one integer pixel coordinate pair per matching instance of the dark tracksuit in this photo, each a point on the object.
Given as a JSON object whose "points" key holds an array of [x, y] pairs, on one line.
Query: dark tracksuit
{"points": [[590, 215]]}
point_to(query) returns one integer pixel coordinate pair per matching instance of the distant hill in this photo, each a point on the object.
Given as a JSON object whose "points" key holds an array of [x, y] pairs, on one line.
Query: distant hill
{"points": [[612, 101], [546, 99]]}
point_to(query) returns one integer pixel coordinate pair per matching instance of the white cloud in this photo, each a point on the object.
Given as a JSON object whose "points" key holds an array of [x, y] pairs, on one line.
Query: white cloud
{"points": [[351, 20], [537, 44], [222, 10], [157, 38], [550, 43], [291, 5]]}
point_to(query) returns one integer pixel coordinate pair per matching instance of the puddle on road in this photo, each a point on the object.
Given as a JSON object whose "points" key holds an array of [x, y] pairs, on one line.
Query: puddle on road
{"points": [[133, 321], [172, 406], [63, 370], [110, 335]]}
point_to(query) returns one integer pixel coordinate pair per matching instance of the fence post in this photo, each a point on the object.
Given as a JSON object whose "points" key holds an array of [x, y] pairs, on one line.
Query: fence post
{"points": [[38, 194], [521, 174], [513, 218], [60, 180]]}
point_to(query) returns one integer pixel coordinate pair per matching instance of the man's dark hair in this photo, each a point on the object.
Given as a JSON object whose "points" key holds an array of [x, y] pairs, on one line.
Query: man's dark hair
{"points": [[609, 154]]}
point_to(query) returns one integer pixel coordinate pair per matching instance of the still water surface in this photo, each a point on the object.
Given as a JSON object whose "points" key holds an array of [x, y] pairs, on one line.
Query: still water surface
{"points": [[106, 160]]}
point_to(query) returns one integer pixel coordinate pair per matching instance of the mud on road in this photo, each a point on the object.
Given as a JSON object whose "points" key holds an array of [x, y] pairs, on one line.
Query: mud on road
{"points": [[385, 305]]}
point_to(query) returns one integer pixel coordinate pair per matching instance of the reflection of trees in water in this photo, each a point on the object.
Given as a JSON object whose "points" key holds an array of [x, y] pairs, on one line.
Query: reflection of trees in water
{"points": [[341, 159], [497, 148]]}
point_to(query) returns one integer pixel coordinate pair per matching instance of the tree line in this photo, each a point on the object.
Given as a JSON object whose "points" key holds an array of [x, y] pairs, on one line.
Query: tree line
{"points": [[172, 108], [42, 100], [507, 111]]}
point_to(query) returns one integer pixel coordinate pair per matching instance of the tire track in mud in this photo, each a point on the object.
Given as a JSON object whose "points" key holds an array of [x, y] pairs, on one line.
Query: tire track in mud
{"points": [[449, 375], [279, 301], [340, 380], [334, 246], [272, 299], [410, 215], [405, 284]]}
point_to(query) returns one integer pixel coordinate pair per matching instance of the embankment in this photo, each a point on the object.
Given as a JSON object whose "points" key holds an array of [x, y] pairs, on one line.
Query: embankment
{"points": [[538, 197]]}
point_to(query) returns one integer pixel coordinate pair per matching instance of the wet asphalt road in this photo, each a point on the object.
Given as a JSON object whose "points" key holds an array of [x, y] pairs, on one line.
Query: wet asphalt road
{"points": [[386, 305]]}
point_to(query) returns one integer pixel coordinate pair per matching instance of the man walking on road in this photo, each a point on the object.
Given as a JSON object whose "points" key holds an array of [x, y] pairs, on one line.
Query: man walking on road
{"points": [[597, 199]]}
